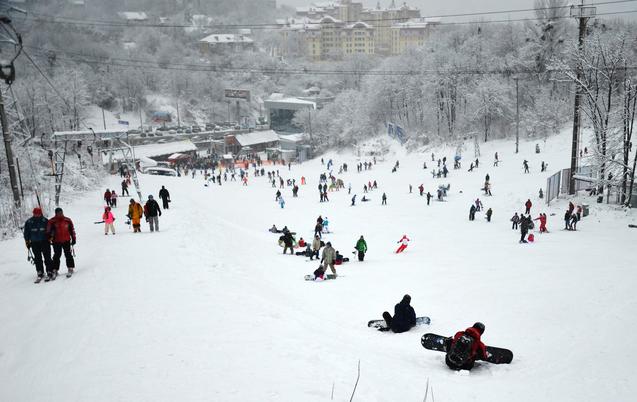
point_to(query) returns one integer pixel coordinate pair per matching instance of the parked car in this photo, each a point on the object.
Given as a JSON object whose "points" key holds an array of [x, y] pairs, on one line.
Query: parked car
{"points": [[172, 131], [188, 131], [159, 133], [143, 135], [160, 171], [196, 129], [162, 128], [210, 126]]}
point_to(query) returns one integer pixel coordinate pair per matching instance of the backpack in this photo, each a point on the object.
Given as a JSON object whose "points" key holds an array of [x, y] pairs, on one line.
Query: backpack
{"points": [[460, 351]]}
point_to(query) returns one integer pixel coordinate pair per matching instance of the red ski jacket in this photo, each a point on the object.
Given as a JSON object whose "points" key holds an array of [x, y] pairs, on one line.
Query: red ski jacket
{"points": [[478, 349], [60, 229]]}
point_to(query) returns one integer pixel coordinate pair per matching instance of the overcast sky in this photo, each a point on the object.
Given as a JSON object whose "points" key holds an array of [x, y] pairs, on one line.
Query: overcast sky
{"points": [[438, 7]]}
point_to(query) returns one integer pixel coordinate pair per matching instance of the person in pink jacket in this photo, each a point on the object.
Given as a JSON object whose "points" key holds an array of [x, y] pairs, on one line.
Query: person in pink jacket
{"points": [[108, 219]]}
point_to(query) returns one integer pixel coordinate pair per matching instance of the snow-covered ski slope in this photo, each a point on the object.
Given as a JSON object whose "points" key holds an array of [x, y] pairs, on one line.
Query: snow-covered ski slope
{"points": [[209, 309]]}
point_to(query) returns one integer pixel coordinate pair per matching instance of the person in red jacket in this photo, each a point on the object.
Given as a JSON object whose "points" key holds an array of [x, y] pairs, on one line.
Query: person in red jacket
{"points": [[465, 348], [61, 232], [528, 205], [542, 219]]}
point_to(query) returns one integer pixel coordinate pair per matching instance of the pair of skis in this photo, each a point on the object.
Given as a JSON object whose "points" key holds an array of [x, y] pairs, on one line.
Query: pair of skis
{"points": [[51, 278]]}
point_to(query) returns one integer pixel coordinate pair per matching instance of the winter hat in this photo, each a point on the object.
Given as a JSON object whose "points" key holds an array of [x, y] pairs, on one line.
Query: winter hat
{"points": [[37, 211], [407, 299], [329, 244], [132, 200], [479, 326], [58, 210], [150, 197]]}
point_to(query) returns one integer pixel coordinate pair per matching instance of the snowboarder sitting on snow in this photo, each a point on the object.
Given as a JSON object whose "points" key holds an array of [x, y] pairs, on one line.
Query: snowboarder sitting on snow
{"points": [[307, 252], [465, 348], [404, 316], [273, 229], [301, 242], [340, 259], [319, 273], [364, 199]]}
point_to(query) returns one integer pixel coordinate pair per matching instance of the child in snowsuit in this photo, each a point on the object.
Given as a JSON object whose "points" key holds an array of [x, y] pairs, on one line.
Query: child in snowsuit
{"points": [[108, 219]]}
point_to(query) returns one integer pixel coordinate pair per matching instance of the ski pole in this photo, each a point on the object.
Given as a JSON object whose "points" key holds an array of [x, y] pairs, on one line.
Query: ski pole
{"points": [[73, 250]]}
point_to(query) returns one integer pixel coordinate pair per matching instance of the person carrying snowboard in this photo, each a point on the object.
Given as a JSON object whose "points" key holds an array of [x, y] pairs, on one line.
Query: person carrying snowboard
{"points": [[404, 316], [361, 247], [165, 196], [108, 219], [465, 348], [135, 213], [35, 238], [152, 213], [404, 241], [61, 231]]}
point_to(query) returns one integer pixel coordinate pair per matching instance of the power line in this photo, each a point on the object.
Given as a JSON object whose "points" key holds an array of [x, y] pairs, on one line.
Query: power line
{"points": [[126, 63], [51, 19]]}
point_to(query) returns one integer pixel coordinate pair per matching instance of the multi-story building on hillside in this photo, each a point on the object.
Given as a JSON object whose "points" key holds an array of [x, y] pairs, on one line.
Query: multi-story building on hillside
{"points": [[328, 31]]}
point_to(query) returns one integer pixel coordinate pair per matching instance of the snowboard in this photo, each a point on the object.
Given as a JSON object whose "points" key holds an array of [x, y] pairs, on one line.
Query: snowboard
{"points": [[632, 226], [441, 343], [381, 324], [325, 277]]}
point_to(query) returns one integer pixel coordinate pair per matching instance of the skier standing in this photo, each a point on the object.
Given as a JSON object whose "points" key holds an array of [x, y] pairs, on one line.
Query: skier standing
{"points": [[62, 234], [489, 214], [428, 197], [528, 204], [108, 219], [165, 197], [124, 187], [36, 239], [404, 316], [107, 197], [135, 213], [113, 199], [465, 348], [152, 213], [361, 247], [384, 198], [288, 242]]}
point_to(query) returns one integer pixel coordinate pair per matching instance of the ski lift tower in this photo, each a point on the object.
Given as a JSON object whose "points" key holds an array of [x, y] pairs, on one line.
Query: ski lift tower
{"points": [[118, 140], [583, 14]]}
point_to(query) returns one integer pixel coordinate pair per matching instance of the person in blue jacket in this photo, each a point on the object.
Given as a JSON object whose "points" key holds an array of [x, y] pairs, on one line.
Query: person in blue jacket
{"points": [[36, 239], [404, 316]]}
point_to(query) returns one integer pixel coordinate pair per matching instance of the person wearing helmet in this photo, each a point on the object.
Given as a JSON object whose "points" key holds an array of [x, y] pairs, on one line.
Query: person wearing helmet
{"points": [[465, 348], [152, 213]]}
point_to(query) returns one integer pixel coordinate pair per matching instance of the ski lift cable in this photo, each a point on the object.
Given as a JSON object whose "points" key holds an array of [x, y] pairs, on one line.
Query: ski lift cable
{"points": [[52, 19]]}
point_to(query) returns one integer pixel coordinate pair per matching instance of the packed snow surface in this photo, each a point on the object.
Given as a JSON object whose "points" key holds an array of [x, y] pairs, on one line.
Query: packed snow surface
{"points": [[209, 309]]}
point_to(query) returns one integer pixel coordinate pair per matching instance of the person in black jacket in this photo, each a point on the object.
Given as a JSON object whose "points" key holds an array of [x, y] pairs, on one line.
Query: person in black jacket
{"points": [[152, 213], [404, 316], [288, 242], [36, 239], [524, 228], [165, 196]]}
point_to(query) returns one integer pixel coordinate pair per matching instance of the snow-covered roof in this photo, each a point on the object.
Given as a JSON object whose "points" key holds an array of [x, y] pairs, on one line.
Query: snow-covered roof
{"points": [[226, 38], [300, 137], [168, 148], [279, 100], [133, 15], [257, 137], [359, 25], [412, 24]]}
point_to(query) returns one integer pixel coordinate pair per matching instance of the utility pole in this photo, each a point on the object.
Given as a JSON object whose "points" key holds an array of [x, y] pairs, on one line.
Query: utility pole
{"points": [[517, 116], [178, 118], [583, 14], [6, 135]]}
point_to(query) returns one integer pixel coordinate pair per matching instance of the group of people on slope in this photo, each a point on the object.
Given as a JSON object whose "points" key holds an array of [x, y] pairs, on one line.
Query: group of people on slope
{"points": [[40, 234]]}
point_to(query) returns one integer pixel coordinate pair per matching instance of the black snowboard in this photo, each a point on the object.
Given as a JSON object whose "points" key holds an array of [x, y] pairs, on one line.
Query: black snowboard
{"points": [[381, 324], [441, 343]]}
